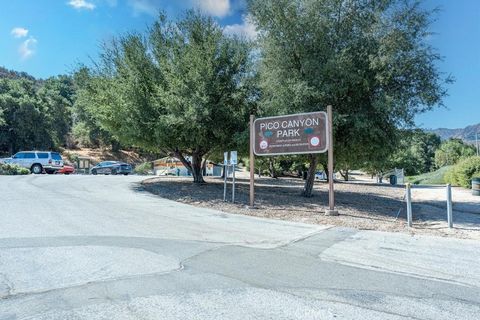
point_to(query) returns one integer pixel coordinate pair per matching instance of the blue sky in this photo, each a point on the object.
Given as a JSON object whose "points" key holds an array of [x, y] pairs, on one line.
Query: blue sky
{"points": [[50, 37]]}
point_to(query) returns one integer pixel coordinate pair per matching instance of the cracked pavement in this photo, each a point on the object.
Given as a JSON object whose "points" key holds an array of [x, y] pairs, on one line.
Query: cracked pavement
{"points": [[99, 247]]}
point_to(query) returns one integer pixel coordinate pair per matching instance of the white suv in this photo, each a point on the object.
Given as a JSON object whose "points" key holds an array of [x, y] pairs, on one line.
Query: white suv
{"points": [[37, 161]]}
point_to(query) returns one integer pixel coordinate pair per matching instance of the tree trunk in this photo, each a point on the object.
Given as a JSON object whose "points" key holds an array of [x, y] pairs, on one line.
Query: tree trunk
{"points": [[344, 174], [204, 167], [197, 168], [308, 187]]}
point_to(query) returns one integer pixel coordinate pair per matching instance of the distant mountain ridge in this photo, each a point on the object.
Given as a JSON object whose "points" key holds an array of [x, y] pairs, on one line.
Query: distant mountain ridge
{"points": [[467, 134]]}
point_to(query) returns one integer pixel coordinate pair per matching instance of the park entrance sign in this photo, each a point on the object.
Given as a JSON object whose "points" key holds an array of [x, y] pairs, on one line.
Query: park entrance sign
{"points": [[303, 133], [292, 134]]}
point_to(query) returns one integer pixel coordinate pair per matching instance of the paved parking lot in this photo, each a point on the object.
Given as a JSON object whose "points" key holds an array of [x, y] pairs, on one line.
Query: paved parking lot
{"points": [[100, 247]]}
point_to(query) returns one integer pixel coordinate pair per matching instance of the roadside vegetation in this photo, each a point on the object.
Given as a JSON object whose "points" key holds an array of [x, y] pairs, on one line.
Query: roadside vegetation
{"points": [[186, 89], [13, 170], [462, 173]]}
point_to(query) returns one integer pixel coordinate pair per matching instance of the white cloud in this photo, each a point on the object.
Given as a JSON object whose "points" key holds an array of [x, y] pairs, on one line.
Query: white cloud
{"points": [[150, 7], [19, 32], [246, 29], [81, 4], [217, 8], [27, 48]]}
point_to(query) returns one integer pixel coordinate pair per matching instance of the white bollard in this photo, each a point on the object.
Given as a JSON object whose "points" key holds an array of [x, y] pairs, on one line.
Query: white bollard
{"points": [[449, 206], [409, 205]]}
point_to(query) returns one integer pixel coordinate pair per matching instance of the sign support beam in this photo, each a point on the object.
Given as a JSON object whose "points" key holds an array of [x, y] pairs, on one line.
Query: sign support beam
{"points": [[252, 162], [331, 196]]}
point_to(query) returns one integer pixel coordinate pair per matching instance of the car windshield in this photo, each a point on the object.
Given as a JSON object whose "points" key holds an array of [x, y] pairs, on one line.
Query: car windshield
{"points": [[56, 156]]}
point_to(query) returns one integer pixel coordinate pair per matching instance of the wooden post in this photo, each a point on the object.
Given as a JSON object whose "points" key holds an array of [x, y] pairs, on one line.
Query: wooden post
{"points": [[252, 162], [331, 196]]}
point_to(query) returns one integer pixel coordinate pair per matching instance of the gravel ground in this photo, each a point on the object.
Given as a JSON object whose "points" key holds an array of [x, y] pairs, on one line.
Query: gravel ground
{"points": [[362, 205]]}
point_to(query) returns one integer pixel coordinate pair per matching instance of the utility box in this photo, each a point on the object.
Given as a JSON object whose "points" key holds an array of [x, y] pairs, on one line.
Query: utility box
{"points": [[84, 164]]}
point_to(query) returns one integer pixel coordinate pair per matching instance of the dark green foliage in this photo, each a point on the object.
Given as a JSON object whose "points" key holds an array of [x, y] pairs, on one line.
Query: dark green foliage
{"points": [[183, 88], [12, 170], [34, 114], [416, 152], [369, 59]]}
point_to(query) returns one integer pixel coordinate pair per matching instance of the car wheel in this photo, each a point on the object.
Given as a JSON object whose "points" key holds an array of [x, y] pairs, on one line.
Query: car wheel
{"points": [[94, 172], [36, 168], [125, 174], [50, 171]]}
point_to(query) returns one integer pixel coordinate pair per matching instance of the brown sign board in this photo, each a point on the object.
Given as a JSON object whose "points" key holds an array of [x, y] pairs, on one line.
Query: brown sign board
{"points": [[291, 134]]}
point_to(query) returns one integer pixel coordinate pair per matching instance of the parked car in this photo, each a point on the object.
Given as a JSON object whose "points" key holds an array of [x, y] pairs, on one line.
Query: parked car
{"points": [[111, 167], [66, 170], [37, 161]]}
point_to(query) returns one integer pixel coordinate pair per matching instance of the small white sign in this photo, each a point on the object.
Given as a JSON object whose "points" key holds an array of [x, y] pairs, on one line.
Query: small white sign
{"points": [[233, 157], [225, 158]]}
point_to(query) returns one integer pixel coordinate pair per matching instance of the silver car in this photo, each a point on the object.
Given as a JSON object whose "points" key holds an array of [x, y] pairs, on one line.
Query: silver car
{"points": [[37, 161]]}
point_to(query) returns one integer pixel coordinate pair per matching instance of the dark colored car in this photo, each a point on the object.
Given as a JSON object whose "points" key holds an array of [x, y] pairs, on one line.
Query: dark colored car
{"points": [[112, 167]]}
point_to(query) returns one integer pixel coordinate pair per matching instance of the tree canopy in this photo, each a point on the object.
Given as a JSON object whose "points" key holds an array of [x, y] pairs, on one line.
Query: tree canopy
{"points": [[184, 88], [369, 59]]}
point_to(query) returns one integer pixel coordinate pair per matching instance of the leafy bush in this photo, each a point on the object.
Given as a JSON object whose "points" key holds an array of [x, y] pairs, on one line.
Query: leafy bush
{"points": [[463, 172], [12, 170], [144, 168]]}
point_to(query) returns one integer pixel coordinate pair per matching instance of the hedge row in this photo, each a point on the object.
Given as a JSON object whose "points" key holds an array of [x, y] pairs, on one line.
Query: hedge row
{"points": [[462, 173]]}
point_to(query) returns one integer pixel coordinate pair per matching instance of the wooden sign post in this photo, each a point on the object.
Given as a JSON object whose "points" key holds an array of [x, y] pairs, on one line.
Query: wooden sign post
{"points": [[331, 193], [252, 162]]}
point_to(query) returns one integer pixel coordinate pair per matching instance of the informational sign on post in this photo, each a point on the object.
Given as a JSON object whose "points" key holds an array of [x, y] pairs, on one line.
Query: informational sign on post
{"points": [[233, 163], [225, 158], [303, 133], [292, 134], [233, 157]]}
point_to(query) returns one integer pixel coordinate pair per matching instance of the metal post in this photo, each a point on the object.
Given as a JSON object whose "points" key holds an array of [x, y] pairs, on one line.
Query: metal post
{"points": [[476, 142], [449, 206], [225, 173], [409, 205], [233, 184], [331, 196], [252, 162]]}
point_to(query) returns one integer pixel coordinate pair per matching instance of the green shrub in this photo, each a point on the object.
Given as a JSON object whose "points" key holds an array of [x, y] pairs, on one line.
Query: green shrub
{"points": [[463, 172], [144, 168], [12, 170]]}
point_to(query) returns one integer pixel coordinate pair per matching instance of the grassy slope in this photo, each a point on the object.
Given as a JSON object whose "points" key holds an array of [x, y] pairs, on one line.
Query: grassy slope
{"points": [[435, 177]]}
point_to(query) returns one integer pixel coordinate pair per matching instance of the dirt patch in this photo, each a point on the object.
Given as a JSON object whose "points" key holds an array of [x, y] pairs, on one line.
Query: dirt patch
{"points": [[364, 206], [99, 155]]}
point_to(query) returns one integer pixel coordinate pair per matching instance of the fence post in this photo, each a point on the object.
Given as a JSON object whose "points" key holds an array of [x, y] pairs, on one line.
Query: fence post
{"points": [[449, 206], [409, 205]]}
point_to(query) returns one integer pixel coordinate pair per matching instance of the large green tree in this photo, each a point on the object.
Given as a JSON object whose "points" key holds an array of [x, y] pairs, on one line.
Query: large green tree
{"points": [[368, 58], [451, 151], [184, 88], [416, 152]]}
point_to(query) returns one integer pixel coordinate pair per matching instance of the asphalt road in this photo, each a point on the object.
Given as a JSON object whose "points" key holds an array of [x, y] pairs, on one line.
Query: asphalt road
{"points": [[99, 247]]}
